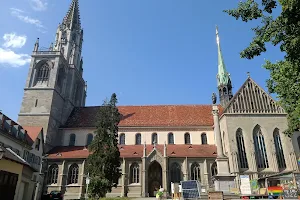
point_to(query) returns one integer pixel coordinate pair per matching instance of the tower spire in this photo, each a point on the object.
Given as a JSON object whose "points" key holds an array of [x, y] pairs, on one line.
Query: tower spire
{"points": [[69, 36], [223, 77], [72, 18]]}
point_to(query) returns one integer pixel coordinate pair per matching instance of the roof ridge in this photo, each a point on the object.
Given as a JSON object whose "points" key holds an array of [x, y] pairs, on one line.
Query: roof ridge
{"points": [[167, 105], [148, 105], [33, 126]]}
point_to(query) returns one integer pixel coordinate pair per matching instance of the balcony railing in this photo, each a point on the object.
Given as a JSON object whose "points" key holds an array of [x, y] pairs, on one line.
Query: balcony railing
{"points": [[46, 52]]}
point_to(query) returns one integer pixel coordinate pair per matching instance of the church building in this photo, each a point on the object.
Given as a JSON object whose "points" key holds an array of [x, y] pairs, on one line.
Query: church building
{"points": [[158, 144]]}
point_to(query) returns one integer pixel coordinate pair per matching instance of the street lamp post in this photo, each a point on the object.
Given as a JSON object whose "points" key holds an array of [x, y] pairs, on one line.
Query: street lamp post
{"points": [[87, 182]]}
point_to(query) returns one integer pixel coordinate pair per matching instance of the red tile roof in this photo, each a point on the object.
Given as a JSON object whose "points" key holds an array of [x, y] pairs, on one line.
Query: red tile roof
{"points": [[136, 151], [147, 116], [33, 131], [5, 120]]}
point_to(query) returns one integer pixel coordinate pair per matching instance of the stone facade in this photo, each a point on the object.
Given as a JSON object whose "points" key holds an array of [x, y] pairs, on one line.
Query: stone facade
{"points": [[154, 171], [55, 85], [172, 143], [246, 113]]}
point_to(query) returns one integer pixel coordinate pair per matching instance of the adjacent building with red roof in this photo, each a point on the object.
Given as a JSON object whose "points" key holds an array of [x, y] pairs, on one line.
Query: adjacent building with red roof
{"points": [[21, 162]]}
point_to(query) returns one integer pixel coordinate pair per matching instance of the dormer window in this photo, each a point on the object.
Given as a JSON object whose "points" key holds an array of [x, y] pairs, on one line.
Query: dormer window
{"points": [[7, 126]]}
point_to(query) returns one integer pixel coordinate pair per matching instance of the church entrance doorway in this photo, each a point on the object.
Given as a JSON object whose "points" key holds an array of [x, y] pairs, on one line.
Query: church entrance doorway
{"points": [[154, 178]]}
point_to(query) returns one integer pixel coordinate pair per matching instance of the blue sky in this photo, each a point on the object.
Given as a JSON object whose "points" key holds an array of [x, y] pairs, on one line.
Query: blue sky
{"points": [[147, 52]]}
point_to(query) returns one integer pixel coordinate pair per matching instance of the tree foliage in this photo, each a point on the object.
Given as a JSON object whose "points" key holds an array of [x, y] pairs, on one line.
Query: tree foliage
{"points": [[282, 31], [103, 164]]}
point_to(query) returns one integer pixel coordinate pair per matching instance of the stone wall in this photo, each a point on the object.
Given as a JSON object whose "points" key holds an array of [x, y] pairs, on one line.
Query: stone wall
{"points": [[125, 188], [230, 123]]}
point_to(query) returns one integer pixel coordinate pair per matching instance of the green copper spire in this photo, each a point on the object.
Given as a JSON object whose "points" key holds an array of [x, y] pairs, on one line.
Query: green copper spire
{"points": [[223, 75]]}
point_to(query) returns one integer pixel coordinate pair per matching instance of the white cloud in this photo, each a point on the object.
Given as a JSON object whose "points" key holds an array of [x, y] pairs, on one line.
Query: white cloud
{"points": [[17, 10], [39, 5], [20, 14], [12, 59], [13, 40]]}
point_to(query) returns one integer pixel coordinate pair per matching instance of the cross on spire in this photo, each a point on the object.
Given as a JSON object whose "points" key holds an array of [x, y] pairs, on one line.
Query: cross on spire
{"points": [[217, 35]]}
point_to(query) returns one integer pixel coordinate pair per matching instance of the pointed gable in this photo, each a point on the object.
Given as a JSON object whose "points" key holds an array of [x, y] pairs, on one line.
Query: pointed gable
{"points": [[251, 98], [34, 131]]}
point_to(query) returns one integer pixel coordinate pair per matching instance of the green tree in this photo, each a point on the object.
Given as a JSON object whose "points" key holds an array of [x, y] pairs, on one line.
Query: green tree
{"points": [[103, 164], [282, 31]]}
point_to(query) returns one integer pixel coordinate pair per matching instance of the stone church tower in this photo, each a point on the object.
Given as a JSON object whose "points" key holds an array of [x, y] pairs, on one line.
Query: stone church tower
{"points": [[55, 85], [223, 77]]}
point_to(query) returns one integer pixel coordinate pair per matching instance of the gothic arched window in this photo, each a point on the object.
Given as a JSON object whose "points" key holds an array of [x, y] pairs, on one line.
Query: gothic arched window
{"points": [[43, 73], [138, 138], [122, 139], [73, 174], [279, 149], [260, 148], [187, 138], [154, 138], [52, 174], [203, 138], [89, 139], [175, 173], [195, 172], [170, 138], [134, 173], [242, 156], [214, 169], [72, 139]]}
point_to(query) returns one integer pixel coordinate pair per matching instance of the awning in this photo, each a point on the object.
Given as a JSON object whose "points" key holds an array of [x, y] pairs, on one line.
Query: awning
{"points": [[279, 176]]}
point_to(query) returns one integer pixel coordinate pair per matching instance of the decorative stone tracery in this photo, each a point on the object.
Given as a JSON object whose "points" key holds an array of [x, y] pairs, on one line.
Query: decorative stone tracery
{"points": [[155, 156], [251, 98]]}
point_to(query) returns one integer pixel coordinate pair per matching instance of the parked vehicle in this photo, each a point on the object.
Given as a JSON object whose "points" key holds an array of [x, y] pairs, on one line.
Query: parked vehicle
{"points": [[55, 195]]}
